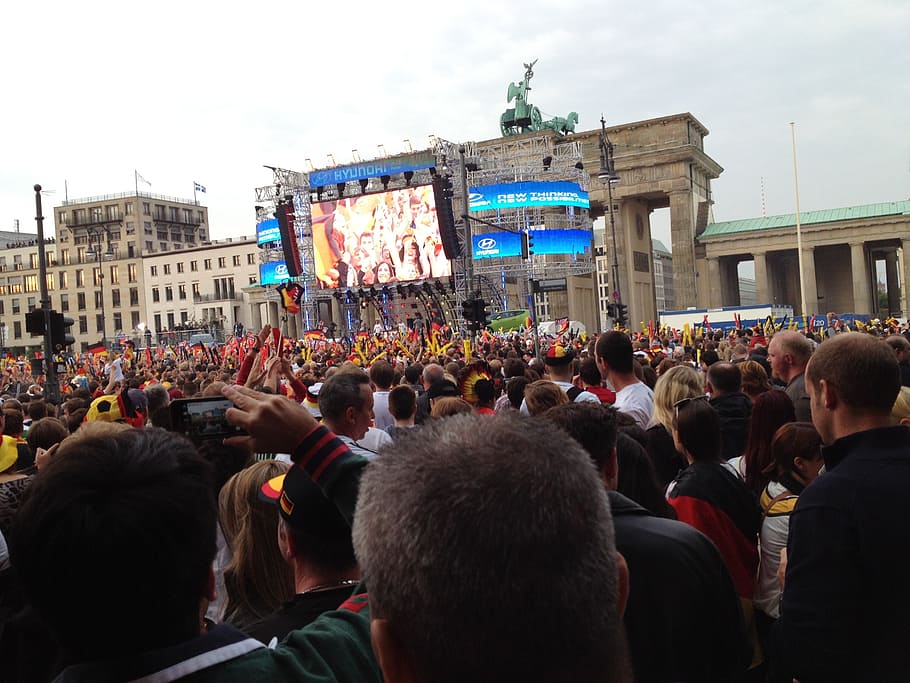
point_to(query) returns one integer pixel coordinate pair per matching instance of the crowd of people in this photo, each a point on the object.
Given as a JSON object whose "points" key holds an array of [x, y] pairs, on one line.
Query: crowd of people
{"points": [[612, 509]]}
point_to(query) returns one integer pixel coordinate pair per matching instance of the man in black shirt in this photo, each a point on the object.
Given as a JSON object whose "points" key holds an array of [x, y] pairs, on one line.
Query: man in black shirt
{"points": [[316, 541]]}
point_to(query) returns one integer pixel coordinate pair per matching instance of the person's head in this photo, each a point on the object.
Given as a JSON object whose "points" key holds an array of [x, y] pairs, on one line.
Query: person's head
{"points": [[673, 386], [740, 352], [413, 373], [449, 575], [755, 378], [311, 530], [852, 381], [257, 578], [724, 378], [13, 424], [901, 409], [795, 451], [900, 346], [515, 390], [432, 373], [696, 430], [709, 358], [402, 402], [44, 433], [446, 406], [36, 410], [384, 272], [542, 395], [770, 411], [382, 374], [346, 403], [592, 425], [788, 354], [558, 360], [589, 373], [614, 353], [124, 515]]}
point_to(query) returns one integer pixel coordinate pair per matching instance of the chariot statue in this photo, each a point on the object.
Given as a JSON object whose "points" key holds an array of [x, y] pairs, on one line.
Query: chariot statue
{"points": [[524, 117]]}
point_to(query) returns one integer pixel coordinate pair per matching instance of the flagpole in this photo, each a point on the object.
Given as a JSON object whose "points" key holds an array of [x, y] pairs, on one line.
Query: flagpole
{"points": [[136, 180], [799, 234], [195, 201]]}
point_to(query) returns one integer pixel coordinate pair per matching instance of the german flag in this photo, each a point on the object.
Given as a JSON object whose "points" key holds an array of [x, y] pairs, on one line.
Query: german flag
{"points": [[314, 335], [97, 348], [562, 325]]}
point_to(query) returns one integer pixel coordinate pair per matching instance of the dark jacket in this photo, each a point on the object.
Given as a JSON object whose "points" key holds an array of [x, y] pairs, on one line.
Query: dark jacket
{"points": [[735, 412], [668, 462], [683, 618], [845, 611]]}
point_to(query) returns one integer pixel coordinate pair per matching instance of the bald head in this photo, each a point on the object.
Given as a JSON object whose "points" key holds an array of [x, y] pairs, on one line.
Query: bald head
{"points": [[788, 354]]}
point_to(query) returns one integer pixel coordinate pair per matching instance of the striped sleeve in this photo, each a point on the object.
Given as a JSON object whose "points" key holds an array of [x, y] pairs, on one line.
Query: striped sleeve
{"points": [[332, 466]]}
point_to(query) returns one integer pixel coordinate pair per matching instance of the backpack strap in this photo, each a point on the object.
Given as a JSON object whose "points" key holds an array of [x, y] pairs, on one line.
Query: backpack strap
{"points": [[573, 393]]}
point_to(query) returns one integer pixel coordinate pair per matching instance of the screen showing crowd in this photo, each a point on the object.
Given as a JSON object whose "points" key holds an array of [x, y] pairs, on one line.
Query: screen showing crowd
{"points": [[377, 239]]}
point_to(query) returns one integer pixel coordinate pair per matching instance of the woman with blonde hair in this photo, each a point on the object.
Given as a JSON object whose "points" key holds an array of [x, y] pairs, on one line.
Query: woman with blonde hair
{"points": [[257, 578], [447, 406], [672, 386], [542, 395], [755, 379], [901, 410]]}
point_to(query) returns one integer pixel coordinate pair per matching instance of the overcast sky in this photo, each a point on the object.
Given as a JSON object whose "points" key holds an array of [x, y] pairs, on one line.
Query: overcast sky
{"points": [[211, 91]]}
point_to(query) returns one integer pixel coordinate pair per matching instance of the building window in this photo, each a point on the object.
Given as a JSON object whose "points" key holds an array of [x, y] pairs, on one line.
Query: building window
{"points": [[167, 268], [83, 324], [146, 210], [196, 293], [32, 303], [65, 257], [168, 293], [194, 266], [147, 227], [153, 271], [163, 246], [134, 319], [99, 323], [115, 298], [253, 280], [236, 259], [118, 321], [129, 209], [181, 291], [251, 259], [222, 262], [96, 276], [33, 260], [207, 264], [97, 214], [149, 247], [113, 213], [174, 213], [130, 228], [156, 297], [64, 302], [61, 218], [158, 322], [131, 270], [80, 300], [50, 281], [17, 329], [200, 215], [170, 321], [31, 283], [115, 274], [180, 267], [134, 296], [184, 316], [99, 300]]}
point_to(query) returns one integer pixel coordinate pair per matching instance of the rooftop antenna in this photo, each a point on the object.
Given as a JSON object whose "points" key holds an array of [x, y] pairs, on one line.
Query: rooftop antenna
{"points": [[764, 213]]}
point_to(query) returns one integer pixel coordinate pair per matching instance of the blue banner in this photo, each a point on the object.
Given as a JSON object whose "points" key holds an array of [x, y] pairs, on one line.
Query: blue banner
{"points": [[531, 193], [503, 244], [267, 231], [273, 273], [372, 169]]}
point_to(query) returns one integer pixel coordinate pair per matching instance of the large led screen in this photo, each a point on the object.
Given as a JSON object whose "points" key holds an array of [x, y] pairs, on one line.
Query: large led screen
{"points": [[528, 193], [503, 244], [267, 231], [273, 273], [378, 238]]}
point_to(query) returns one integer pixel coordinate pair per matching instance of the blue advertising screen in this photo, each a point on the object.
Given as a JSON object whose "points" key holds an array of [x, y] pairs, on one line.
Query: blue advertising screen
{"points": [[503, 244], [273, 273], [524, 194], [267, 231], [372, 169]]}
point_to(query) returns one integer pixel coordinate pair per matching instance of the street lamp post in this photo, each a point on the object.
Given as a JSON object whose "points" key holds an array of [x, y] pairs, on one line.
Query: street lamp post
{"points": [[97, 254], [608, 175]]}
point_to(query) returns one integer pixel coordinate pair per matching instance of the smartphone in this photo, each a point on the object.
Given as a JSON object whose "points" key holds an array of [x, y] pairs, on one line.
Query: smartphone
{"points": [[204, 418]]}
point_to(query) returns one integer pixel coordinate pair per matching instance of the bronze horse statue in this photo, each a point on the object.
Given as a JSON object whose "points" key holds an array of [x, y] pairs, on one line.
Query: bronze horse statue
{"points": [[561, 125]]}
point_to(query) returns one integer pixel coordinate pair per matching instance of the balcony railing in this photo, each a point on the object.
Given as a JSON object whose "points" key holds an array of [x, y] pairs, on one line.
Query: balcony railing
{"points": [[224, 296]]}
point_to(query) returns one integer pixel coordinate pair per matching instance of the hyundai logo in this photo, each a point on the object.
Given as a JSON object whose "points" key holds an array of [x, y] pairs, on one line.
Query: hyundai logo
{"points": [[281, 270], [486, 243]]}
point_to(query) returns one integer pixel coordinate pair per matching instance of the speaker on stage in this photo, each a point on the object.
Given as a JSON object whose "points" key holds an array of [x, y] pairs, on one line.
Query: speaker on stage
{"points": [[448, 232], [285, 215]]}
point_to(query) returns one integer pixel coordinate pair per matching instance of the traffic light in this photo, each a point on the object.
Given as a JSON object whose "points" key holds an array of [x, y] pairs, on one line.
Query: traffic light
{"points": [[622, 314], [60, 331], [611, 311], [34, 322], [527, 244], [480, 314]]}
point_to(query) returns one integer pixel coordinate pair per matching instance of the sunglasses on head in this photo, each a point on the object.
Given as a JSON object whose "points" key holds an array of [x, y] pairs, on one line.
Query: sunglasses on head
{"points": [[686, 401]]}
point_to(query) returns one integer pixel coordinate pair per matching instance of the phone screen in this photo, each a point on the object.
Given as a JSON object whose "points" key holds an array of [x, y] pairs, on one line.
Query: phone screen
{"points": [[202, 418]]}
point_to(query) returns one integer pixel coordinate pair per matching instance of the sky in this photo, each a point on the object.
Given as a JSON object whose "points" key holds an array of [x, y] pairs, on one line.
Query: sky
{"points": [[211, 92]]}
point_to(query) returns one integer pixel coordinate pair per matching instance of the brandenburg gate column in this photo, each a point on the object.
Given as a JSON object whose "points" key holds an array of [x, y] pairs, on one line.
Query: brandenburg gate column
{"points": [[682, 236], [255, 317], [862, 294], [810, 284], [762, 291], [714, 295], [904, 263]]}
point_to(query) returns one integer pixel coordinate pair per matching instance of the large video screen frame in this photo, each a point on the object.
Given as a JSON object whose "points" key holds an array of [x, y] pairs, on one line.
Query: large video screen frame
{"points": [[378, 238]]}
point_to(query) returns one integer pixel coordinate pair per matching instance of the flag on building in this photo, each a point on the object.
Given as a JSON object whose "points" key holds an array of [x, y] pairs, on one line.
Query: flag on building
{"points": [[140, 179], [197, 187]]}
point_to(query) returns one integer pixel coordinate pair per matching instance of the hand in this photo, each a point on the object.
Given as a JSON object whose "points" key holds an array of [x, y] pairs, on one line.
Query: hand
{"points": [[274, 424], [42, 456], [264, 334]]}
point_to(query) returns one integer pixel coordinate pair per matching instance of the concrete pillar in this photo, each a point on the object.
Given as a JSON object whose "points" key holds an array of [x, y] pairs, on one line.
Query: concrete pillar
{"points": [[294, 326], [255, 317], [862, 294], [713, 288], [274, 318], [892, 282], [682, 236], [905, 277], [762, 290], [810, 284]]}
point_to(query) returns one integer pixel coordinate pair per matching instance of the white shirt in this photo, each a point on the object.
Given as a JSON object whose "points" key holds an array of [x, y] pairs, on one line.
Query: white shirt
{"points": [[370, 445], [382, 418], [636, 400]]}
